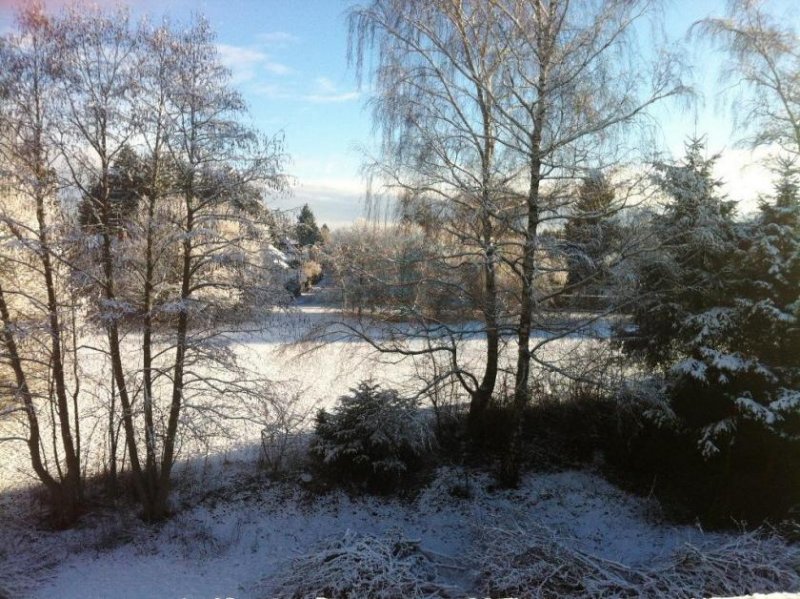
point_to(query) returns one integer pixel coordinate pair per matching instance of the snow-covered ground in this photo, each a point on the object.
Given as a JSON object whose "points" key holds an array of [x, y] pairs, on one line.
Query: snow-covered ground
{"points": [[236, 532], [241, 540]]}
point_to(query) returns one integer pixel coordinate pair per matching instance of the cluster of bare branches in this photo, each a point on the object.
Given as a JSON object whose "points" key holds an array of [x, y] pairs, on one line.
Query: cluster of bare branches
{"points": [[132, 224], [536, 562], [492, 114]]}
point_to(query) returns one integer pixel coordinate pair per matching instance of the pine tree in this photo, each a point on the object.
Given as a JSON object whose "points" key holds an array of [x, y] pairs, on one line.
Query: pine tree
{"points": [[307, 232], [765, 322], [589, 240], [721, 308], [127, 186], [690, 270]]}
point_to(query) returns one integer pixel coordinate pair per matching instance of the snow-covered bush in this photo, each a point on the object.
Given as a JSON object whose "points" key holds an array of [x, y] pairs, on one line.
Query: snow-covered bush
{"points": [[374, 437], [535, 562], [720, 313], [361, 565]]}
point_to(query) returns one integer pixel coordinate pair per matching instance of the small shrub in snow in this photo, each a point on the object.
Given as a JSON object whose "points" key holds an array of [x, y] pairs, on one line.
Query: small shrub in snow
{"points": [[374, 437], [534, 562], [361, 565]]}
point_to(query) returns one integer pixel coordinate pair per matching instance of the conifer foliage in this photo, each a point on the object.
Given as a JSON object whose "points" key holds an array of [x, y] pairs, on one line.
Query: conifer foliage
{"points": [[719, 307]]}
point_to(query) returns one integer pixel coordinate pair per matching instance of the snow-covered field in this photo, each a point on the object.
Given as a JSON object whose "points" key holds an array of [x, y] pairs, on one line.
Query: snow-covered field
{"points": [[239, 534], [312, 373]]}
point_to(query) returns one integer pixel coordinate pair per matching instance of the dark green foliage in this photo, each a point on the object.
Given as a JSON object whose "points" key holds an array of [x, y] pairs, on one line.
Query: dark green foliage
{"points": [[720, 307], [307, 232], [373, 438], [757, 478], [691, 269], [590, 239], [125, 190], [720, 312]]}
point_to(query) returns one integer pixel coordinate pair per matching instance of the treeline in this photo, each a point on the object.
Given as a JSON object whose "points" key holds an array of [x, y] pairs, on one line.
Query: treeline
{"points": [[132, 226]]}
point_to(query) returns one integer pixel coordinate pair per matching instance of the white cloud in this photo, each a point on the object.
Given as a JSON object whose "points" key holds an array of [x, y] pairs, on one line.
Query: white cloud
{"points": [[277, 38], [271, 90], [336, 202], [276, 68], [326, 92], [246, 62], [323, 91], [331, 98]]}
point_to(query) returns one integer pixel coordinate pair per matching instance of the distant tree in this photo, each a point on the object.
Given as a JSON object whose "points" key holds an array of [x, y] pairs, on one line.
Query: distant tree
{"points": [[589, 237], [126, 182], [308, 234], [325, 234]]}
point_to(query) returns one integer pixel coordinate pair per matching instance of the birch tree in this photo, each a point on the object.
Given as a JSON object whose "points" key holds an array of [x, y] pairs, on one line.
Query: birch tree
{"points": [[763, 65], [580, 90], [36, 301], [437, 70]]}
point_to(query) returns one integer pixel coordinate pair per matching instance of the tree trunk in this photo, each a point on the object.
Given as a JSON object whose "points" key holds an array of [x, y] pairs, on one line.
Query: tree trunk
{"points": [[160, 504], [65, 497], [115, 350]]}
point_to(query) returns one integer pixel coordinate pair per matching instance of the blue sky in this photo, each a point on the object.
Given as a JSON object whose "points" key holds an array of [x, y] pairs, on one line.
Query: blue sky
{"points": [[288, 58]]}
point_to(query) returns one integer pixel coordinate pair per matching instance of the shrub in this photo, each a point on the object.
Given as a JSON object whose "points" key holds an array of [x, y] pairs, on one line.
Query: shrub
{"points": [[283, 437], [535, 562], [361, 565], [312, 273], [374, 437]]}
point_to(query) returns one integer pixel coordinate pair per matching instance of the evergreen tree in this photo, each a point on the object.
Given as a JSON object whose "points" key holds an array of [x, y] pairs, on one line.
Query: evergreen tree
{"points": [[720, 310], [589, 237], [125, 188], [307, 232], [765, 316], [691, 267]]}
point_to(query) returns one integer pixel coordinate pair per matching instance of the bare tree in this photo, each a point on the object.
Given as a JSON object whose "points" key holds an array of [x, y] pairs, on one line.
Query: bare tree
{"points": [[97, 122], [579, 90], [764, 60], [222, 167], [437, 74], [135, 136], [35, 298]]}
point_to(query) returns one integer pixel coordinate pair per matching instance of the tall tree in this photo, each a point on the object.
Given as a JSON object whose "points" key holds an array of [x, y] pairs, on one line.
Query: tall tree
{"points": [[589, 238], [34, 293], [719, 315], [306, 230], [690, 267], [218, 162], [98, 123], [580, 86], [764, 57], [437, 74]]}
